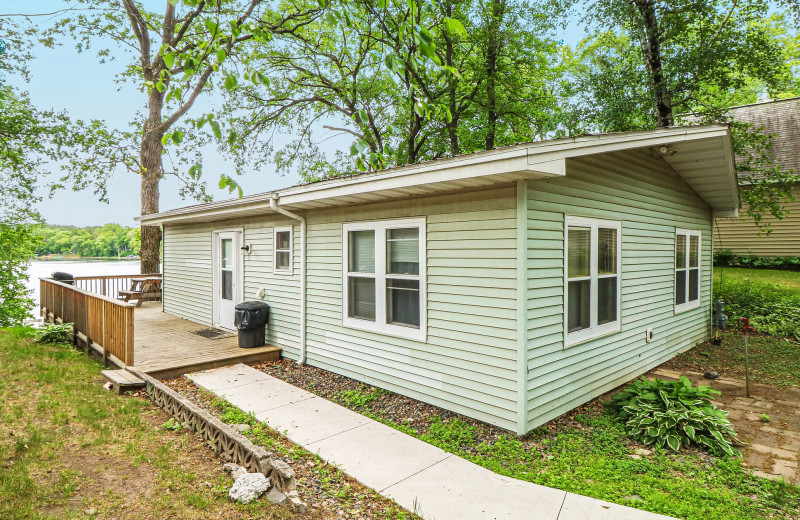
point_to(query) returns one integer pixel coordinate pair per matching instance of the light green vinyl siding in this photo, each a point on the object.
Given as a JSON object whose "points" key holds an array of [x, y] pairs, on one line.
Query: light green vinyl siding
{"points": [[188, 281], [468, 363], [187, 287], [651, 201]]}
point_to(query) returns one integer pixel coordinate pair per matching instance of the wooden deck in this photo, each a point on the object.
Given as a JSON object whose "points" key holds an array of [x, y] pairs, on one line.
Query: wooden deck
{"points": [[165, 346]]}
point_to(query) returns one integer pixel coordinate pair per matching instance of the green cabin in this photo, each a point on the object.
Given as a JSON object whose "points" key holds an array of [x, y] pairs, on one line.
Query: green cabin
{"points": [[509, 285]]}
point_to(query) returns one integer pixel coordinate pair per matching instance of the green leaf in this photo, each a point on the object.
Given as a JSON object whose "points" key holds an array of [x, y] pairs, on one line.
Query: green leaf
{"points": [[231, 82], [674, 442], [177, 137], [216, 129], [160, 86], [169, 60], [221, 55], [453, 27], [211, 26], [165, 139]]}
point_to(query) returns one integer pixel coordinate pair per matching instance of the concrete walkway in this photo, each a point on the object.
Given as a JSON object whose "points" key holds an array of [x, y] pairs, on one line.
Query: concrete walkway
{"points": [[420, 477]]}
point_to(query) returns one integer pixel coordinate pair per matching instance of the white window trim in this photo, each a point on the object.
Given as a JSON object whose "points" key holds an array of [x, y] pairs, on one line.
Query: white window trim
{"points": [[275, 250], [594, 330], [379, 325], [689, 305]]}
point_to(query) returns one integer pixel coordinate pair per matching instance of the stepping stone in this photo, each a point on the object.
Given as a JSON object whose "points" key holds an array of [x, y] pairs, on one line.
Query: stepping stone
{"points": [[122, 380]]}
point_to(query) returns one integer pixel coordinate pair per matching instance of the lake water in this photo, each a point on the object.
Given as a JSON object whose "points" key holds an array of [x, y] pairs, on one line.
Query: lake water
{"points": [[44, 268]]}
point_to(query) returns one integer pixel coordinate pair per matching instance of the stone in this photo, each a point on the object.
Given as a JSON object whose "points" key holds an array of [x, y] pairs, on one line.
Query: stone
{"points": [[643, 452], [230, 467], [241, 428], [785, 468], [711, 375], [276, 497], [248, 487], [91, 511], [777, 452], [297, 504], [634, 498]]}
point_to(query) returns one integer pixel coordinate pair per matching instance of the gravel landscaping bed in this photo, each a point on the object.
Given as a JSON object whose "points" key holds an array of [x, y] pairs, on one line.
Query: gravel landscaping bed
{"points": [[413, 416], [328, 492]]}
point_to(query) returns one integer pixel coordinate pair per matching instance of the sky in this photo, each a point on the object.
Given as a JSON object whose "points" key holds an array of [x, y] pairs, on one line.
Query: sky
{"points": [[63, 79]]}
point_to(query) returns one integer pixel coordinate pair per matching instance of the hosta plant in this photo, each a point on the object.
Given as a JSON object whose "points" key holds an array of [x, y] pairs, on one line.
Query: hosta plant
{"points": [[674, 414], [51, 333]]}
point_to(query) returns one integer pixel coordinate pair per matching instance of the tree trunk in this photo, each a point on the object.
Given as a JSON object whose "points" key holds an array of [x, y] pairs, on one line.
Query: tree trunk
{"points": [[493, 44], [452, 126], [150, 159], [651, 48]]}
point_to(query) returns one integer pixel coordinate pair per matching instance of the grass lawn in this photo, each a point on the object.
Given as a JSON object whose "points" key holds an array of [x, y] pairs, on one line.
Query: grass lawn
{"points": [[773, 361], [67, 447], [788, 279]]}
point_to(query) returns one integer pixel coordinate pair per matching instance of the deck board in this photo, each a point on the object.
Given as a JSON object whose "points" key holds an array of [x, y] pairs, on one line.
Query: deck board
{"points": [[164, 345]]}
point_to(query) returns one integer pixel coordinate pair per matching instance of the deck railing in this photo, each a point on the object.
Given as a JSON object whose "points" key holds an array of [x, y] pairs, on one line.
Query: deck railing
{"points": [[100, 322], [109, 285]]}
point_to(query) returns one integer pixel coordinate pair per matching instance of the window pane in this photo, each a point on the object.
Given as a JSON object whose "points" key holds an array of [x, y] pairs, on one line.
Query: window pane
{"points": [[361, 296], [402, 251], [578, 305], [402, 302], [282, 240], [694, 284], [578, 251], [694, 249], [227, 285], [606, 300], [362, 252], [680, 252], [680, 287], [227, 253], [606, 251], [282, 260]]}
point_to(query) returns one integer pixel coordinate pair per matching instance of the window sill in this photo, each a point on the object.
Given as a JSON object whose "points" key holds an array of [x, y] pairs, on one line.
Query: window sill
{"points": [[680, 309], [599, 335], [285, 272], [386, 330]]}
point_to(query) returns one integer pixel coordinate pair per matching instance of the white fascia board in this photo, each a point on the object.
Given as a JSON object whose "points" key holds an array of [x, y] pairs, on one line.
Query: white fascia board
{"points": [[210, 210]]}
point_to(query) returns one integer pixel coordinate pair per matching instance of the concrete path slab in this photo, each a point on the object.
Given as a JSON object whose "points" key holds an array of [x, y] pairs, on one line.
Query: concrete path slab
{"points": [[466, 490], [577, 507], [377, 455], [421, 478], [309, 420]]}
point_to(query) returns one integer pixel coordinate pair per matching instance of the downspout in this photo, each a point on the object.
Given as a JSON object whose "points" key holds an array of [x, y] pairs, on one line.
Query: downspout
{"points": [[273, 204]]}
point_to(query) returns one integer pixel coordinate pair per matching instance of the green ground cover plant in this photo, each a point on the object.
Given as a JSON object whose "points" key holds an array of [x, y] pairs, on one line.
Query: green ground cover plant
{"points": [[674, 414], [52, 333], [773, 309]]}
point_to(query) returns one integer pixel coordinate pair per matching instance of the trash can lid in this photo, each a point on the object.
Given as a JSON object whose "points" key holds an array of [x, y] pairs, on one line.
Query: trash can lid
{"points": [[251, 306]]}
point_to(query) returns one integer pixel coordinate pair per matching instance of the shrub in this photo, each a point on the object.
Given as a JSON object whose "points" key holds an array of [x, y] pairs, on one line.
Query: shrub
{"points": [[727, 258], [51, 333], [673, 414], [772, 309]]}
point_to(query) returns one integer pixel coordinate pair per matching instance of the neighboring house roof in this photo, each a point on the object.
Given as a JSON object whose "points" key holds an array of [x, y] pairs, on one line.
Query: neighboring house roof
{"points": [[701, 155], [782, 118]]}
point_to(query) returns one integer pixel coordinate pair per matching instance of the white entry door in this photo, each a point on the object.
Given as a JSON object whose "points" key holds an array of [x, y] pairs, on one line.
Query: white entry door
{"points": [[227, 277]]}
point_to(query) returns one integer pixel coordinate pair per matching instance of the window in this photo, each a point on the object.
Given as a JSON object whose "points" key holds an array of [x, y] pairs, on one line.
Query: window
{"points": [[384, 277], [592, 266], [282, 247], [687, 269]]}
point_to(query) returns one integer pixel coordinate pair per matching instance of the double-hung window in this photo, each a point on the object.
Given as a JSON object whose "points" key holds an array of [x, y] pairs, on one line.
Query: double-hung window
{"points": [[282, 247], [592, 285], [687, 269], [384, 276]]}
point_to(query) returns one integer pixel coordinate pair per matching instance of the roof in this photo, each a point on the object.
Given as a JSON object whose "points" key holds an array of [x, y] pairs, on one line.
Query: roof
{"points": [[781, 117], [701, 155]]}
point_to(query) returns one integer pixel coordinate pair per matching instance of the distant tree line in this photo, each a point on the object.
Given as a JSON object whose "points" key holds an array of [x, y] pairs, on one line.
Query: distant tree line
{"points": [[111, 240]]}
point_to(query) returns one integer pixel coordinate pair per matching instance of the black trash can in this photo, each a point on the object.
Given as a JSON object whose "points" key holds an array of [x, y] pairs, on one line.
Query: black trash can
{"points": [[251, 321], [63, 278]]}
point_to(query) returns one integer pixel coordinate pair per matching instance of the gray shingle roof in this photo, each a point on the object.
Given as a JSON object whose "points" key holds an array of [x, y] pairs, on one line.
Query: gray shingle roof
{"points": [[780, 117]]}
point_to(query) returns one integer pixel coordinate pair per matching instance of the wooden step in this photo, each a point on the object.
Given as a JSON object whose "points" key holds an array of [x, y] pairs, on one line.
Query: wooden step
{"points": [[122, 380]]}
